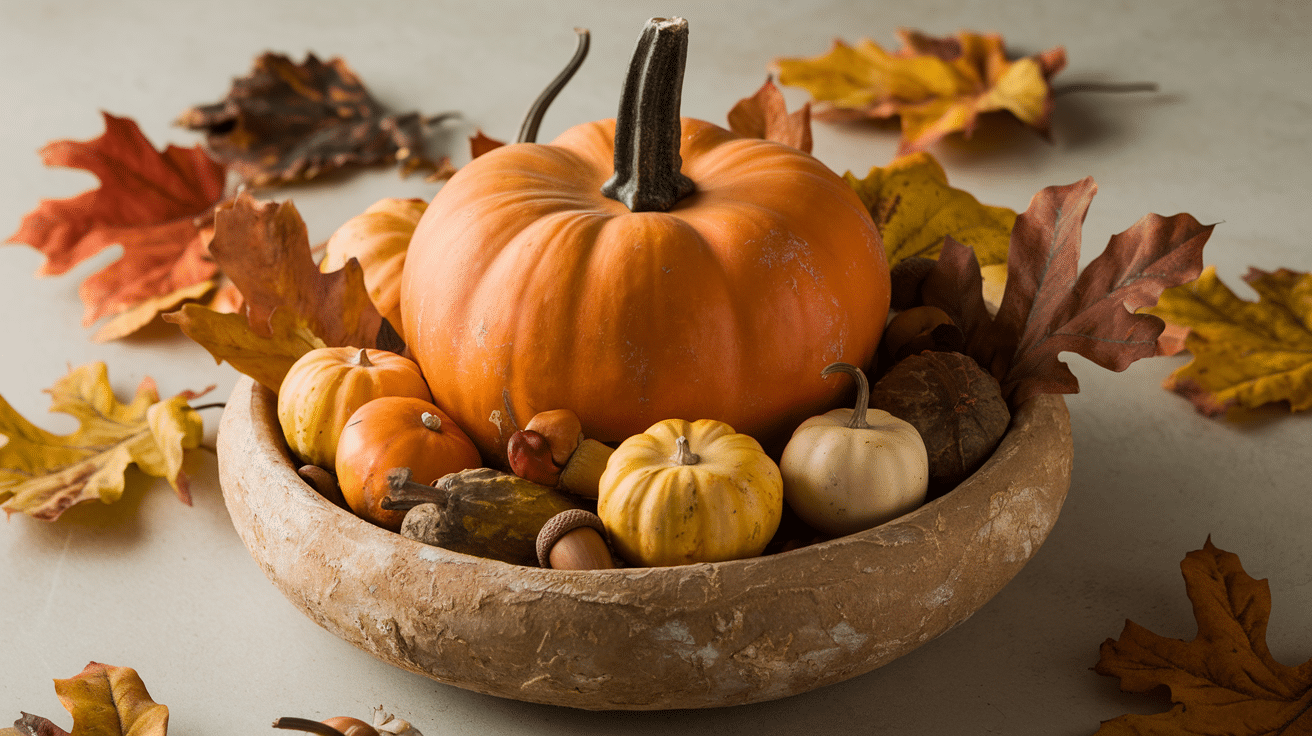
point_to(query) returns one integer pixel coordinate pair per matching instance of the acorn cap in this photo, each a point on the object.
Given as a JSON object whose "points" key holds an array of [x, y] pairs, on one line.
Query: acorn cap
{"points": [[562, 524]]}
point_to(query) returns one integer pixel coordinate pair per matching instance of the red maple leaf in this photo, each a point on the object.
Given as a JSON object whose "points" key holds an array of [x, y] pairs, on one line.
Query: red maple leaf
{"points": [[155, 204]]}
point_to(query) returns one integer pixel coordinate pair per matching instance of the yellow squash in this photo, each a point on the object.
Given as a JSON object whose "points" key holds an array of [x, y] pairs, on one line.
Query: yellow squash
{"points": [[685, 492]]}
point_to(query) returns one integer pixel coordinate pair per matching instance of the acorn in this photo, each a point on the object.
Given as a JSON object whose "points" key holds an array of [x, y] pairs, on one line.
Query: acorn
{"points": [[574, 540]]}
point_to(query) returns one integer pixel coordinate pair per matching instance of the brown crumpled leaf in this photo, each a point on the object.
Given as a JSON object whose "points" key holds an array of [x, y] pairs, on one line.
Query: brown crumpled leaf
{"points": [[289, 306], [1049, 306], [480, 143], [935, 85], [765, 115], [43, 474], [156, 205], [1225, 680], [104, 701], [287, 122], [1245, 354]]}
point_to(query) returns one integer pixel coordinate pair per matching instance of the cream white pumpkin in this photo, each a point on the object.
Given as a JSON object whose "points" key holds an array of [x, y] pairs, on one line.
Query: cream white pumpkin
{"points": [[851, 469]]}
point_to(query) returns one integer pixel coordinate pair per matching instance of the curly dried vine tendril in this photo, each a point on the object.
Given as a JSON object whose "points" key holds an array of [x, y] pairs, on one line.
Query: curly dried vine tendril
{"points": [[528, 132]]}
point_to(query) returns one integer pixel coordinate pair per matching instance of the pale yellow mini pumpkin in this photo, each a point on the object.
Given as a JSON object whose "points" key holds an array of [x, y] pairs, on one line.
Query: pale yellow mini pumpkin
{"points": [[378, 238], [685, 492], [852, 469], [325, 386]]}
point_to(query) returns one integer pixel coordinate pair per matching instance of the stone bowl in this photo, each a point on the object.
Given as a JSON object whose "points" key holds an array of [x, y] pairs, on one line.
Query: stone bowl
{"points": [[692, 636]]}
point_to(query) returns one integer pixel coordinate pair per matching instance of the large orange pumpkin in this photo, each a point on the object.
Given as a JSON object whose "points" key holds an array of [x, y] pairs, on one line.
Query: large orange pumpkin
{"points": [[524, 282]]}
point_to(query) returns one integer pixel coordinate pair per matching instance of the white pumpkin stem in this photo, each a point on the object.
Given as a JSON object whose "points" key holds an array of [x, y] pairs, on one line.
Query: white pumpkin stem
{"points": [[432, 421], [362, 359], [858, 420], [683, 454]]}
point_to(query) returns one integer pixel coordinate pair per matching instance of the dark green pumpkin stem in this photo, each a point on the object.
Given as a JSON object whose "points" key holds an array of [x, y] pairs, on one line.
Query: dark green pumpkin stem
{"points": [[528, 132], [858, 420], [647, 128]]}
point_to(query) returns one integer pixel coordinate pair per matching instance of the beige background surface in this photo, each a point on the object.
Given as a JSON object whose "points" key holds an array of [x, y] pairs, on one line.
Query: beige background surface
{"points": [[169, 590]]}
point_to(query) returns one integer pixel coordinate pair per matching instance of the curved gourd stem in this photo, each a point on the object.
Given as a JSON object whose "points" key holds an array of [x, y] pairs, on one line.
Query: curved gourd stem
{"points": [[528, 131], [647, 128], [858, 420], [683, 454], [304, 724], [362, 359]]}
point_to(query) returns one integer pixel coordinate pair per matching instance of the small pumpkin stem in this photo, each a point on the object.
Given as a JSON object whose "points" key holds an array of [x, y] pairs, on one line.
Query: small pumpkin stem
{"points": [[683, 454], [647, 128], [858, 420], [528, 132], [432, 421], [362, 359], [305, 724]]}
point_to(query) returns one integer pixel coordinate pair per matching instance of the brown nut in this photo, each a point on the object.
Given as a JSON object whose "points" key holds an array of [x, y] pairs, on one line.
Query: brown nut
{"points": [[530, 458], [562, 430], [574, 540]]}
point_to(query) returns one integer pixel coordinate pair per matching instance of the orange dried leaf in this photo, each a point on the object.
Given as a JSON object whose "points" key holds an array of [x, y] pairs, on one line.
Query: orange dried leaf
{"points": [[287, 122], [937, 86], [765, 115], [480, 143], [289, 305], [42, 474], [1245, 354], [154, 204], [1224, 680]]}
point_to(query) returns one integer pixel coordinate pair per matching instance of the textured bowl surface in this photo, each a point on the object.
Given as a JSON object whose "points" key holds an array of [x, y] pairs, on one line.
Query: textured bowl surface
{"points": [[693, 636]]}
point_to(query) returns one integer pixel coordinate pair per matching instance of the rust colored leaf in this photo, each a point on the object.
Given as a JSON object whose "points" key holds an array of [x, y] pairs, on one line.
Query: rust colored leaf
{"points": [[155, 204], [287, 122], [480, 143], [1048, 307], [765, 115], [30, 725], [936, 86], [288, 304], [1225, 680], [1245, 354], [43, 474]]}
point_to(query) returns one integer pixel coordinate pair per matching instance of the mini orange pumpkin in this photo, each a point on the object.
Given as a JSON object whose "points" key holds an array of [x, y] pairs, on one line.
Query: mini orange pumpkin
{"points": [[326, 385], [708, 279], [397, 432]]}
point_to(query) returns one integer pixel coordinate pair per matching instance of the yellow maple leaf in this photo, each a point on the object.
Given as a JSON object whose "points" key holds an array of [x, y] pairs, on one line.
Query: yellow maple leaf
{"points": [[42, 474], [1245, 354], [936, 86], [111, 701], [230, 337], [914, 208]]}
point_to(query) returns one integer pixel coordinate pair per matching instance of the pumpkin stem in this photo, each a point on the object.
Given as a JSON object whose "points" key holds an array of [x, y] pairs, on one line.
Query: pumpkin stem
{"points": [[683, 455], [647, 128], [528, 132], [432, 421], [858, 420], [362, 359]]}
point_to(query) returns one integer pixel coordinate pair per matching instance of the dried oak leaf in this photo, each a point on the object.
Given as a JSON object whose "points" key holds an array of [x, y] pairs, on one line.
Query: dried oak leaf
{"points": [[287, 122], [1049, 306], [935, 85], [1245, 354], [1225, 680], [155, 204], [104, 701], [42, 474], [765, 115], [289, 306]]}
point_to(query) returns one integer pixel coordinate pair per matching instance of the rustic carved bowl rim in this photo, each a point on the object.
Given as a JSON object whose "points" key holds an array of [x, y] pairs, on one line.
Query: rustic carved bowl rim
{"points": [[694, 636]]}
